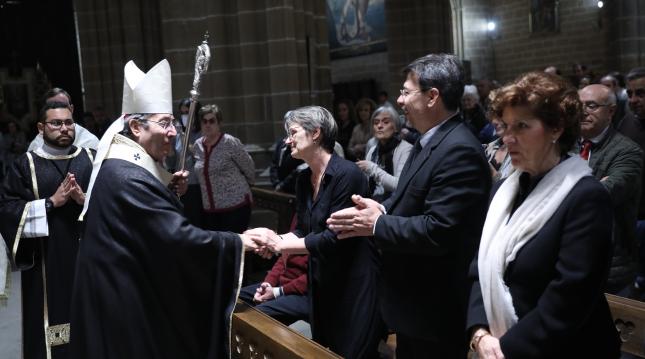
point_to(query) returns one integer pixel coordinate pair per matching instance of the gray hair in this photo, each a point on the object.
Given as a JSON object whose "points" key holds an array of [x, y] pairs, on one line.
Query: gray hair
{"points": [[635, 73], [443, 72], [398, 121], [140, 117], [311, 118]]}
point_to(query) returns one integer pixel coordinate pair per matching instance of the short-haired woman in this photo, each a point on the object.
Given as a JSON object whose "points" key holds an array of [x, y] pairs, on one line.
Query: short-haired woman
{"points": [[384, 162], [343, 274]]}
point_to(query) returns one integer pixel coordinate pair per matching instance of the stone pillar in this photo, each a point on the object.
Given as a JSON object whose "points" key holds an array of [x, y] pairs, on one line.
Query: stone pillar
{"points": [[267, 58], [110, 34], [628, 45], [477, 45], [415, 28]]}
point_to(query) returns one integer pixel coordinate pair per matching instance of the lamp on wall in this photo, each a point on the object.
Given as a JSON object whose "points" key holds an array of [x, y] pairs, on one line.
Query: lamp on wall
{"points": [[601, 4], [492, 28]]}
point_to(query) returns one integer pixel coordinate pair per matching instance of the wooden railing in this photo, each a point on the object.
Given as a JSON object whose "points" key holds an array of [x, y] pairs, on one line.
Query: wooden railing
{"points": [[258, 336], [629, 317], [282, 203]]}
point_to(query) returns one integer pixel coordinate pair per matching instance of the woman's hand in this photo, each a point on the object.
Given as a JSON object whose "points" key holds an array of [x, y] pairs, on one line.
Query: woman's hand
{"points": [[363, 165], [488, 348], [265, 238]]}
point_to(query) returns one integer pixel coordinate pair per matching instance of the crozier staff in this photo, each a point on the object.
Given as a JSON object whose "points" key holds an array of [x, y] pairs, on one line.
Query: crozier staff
{"points": [[148, 283]]}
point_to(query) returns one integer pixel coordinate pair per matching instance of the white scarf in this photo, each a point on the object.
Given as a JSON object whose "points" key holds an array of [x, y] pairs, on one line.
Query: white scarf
{"points": [[503, 238]]}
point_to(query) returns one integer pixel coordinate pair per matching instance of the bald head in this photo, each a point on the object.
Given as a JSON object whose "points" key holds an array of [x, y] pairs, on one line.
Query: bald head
{"points": [[598, 104]]}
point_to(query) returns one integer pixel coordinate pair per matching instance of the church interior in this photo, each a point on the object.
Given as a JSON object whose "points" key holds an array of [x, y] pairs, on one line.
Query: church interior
{"points": [[269, 57]]}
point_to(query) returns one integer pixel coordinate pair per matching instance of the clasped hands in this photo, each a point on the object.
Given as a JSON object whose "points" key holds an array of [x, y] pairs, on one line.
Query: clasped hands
{"points": [[69, 188], [265, 242]]}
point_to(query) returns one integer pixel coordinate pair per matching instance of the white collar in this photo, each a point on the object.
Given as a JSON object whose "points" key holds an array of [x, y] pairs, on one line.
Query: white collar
{"points": [[125, 149]]}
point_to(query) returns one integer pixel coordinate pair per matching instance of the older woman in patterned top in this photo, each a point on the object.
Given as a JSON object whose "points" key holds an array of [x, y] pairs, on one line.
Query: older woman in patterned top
{"points": [[225, 172]]}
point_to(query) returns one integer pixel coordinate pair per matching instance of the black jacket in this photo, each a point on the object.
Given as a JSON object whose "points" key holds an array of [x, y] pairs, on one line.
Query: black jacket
{"points": [[557, 282], [429, 236]]}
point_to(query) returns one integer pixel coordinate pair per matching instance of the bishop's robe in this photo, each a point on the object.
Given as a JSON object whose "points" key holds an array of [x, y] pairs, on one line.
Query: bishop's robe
{"points": [[148, 283], [44, 245]]}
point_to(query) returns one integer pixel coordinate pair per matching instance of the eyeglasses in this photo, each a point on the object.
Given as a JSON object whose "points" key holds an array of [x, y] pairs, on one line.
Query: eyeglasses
{"points": [[592, 106], [406, 92], [208, 120], [56, 124], [166, 124], [638, 93], [292, 133]]}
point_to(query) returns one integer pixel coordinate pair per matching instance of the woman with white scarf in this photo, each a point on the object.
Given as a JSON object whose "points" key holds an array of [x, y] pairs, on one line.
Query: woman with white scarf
{"points": [[546, 244]]}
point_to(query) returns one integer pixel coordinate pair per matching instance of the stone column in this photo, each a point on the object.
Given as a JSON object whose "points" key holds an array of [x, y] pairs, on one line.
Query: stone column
{"points": [[112, 32], [267, 58], [628, 45], [415, 28]]}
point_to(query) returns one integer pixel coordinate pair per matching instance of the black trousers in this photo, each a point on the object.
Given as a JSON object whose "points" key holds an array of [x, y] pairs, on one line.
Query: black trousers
{"points": [[415, 348], [287, 309]]}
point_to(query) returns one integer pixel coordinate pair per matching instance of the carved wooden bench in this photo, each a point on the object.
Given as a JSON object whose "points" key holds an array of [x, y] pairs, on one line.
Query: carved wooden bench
{"points": [[258, 336], [282, 203], [629, 317]]}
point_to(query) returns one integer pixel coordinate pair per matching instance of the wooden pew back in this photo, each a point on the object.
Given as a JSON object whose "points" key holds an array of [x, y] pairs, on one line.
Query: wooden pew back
{"points": [[258, 336], [629, 317], [282, 203]]}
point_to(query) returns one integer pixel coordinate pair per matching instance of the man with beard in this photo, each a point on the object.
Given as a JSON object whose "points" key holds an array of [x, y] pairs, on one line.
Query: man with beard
{"points": [[40, 205], [83, 138]]}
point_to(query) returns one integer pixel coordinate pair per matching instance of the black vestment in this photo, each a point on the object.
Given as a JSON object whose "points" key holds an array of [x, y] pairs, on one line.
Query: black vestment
{"points": [[148, 283], [56, 252]]}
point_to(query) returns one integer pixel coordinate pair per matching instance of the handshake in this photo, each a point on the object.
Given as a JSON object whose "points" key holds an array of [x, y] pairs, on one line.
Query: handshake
{"points": [[263, 241]]}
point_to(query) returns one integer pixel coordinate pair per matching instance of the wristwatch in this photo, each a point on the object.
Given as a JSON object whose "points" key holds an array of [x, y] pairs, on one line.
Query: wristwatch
{"points": [[49, 205]]}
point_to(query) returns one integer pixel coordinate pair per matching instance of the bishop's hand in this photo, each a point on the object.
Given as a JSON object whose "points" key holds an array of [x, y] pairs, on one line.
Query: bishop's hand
{"points": [[179, 182]]}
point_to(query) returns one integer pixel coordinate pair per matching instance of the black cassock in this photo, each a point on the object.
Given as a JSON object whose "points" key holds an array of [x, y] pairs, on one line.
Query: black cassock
{"points": [[149, 284], [56, 253]]}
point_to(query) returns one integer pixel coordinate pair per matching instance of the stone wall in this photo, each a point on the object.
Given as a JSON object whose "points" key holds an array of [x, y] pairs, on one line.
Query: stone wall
{"points": [[267, 59], [582, 37]]}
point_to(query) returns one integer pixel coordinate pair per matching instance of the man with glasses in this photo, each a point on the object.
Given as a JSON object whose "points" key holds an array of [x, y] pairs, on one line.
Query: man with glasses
{"points": [[429, 229], [149, 284], [83, 138], [39, 207], [617, 162]]}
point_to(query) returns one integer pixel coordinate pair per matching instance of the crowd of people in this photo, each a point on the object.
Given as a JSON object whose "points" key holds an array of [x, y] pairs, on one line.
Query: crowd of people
{"points": [[479, 217]]}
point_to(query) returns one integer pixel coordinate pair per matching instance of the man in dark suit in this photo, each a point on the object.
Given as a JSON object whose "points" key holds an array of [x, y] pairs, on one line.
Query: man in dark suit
{"points": [[633, 126], [428, 231], [617, 162]]}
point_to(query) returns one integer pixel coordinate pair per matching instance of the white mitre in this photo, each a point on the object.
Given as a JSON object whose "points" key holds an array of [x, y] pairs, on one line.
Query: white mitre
{"points": [[142, 93], [147, 92]]}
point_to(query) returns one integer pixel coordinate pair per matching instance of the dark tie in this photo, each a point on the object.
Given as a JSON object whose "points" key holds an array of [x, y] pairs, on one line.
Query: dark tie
{"points": [[584, 150], [416, 149]]}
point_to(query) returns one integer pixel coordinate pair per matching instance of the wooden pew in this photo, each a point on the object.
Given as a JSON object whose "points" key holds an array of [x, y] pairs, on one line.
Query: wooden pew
{"points": [[258, 336], [629, 317], [282, 203]]}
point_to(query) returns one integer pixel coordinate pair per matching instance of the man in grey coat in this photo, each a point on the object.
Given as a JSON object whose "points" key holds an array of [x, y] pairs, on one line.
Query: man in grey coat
{"points": [[617, 162]]}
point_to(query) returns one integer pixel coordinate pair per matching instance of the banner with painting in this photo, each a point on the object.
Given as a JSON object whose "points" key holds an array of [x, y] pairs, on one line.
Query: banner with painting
{"points": [[356, 27]]}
